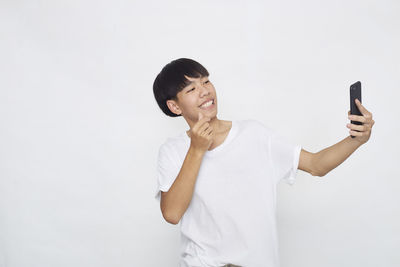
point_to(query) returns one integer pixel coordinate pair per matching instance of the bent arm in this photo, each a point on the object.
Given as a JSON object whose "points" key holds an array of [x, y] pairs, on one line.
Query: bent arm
{"points": [[176, 200], [331, 157]]}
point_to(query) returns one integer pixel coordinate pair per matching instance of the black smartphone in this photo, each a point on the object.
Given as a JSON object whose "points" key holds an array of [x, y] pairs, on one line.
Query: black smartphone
{"points": [[355, 93]]}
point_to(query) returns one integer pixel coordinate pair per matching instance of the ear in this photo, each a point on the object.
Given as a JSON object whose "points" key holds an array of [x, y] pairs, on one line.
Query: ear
{"points": [[173, 107]]}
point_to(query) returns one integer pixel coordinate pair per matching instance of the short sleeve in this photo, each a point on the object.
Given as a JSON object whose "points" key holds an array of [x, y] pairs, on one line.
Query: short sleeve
{"points": [[285, 158], [167, 169]]}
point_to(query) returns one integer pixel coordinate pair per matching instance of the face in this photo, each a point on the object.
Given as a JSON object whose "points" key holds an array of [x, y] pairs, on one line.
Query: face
{"points": [[191, 98]]}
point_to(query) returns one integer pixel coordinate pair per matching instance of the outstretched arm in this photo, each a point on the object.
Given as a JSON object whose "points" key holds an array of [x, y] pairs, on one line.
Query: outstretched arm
{"points": [[324, 161]]}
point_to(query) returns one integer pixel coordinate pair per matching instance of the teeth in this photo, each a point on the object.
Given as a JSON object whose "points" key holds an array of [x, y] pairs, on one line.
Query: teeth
{"points": [[207, 104]]}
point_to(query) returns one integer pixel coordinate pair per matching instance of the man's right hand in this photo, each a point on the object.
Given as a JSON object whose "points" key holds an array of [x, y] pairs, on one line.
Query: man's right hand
{"points": [[201, 134]]}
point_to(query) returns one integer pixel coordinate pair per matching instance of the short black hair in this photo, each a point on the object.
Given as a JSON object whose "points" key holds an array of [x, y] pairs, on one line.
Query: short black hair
{"points": [[171, 80]]}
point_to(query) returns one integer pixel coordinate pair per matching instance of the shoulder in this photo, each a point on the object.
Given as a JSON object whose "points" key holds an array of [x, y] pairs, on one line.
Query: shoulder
{"points": [[175, 145], [169, 144]]}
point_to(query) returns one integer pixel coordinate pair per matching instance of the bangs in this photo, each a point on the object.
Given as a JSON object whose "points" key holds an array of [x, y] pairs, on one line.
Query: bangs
{"points": [[174, 75]]}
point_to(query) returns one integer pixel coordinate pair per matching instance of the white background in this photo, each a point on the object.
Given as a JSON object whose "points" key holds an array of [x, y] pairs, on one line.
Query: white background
{"points": [[80, 128]]}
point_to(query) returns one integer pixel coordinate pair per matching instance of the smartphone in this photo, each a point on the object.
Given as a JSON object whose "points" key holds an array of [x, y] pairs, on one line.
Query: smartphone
{"points": [[355, 93]]}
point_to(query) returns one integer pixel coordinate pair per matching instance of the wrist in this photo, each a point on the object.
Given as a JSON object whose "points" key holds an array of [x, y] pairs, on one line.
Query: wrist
{"points": [[355, 141], [196, 151]]}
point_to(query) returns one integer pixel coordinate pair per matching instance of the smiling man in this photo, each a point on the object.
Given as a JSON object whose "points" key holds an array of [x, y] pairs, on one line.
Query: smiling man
{"points": [[218, 179]]}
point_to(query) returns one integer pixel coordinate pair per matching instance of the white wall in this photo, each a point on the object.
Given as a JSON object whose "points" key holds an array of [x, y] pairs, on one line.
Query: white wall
{"points": [[80, 128]]}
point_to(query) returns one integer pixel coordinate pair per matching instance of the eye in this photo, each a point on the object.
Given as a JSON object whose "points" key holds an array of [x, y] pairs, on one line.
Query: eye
{"points": [[194, 88]]}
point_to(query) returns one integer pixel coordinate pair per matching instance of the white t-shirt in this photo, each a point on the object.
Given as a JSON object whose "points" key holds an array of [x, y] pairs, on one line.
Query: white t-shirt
{"points": [[232, 215]]}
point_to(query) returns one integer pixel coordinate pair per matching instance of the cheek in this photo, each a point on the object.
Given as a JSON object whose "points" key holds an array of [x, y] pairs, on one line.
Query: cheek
{"points": [[190, 103]]}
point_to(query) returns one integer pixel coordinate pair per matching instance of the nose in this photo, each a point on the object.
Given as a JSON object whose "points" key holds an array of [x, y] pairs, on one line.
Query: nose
{"points": [[204, 91]]}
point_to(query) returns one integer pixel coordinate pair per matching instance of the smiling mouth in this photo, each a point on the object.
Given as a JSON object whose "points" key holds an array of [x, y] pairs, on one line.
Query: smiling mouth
{"points": [[207, 104]]}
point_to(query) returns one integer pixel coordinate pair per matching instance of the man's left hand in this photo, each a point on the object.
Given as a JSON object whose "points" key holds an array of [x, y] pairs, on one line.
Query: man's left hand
{"points": [[361, 132]]}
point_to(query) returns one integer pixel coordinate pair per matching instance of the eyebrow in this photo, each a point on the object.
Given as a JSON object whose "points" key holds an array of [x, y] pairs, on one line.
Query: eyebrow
{"points": [[205, 77]]}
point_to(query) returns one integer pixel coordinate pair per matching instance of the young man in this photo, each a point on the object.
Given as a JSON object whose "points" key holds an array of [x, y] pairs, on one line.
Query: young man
{"points": [[219, 178]]}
